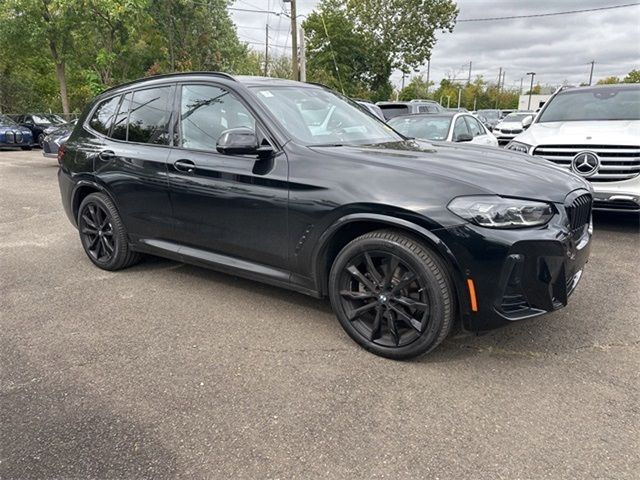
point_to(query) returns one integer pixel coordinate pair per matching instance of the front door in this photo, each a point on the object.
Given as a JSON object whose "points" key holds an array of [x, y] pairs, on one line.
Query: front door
{"points": [[235, 205]]}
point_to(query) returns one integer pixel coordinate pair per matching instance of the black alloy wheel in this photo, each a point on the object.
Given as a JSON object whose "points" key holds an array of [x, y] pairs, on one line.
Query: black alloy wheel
{"points": [[41, 140], [392, 295], [103, 235]]}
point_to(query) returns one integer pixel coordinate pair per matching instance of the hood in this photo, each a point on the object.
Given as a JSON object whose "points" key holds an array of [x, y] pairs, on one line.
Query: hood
{"points": [[513, 125], [490, 170], [615, 132]]}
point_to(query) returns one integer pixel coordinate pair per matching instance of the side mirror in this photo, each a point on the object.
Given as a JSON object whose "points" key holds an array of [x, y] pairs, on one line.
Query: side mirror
{"points": [[238, 141], [463, 137], [527, 121]]}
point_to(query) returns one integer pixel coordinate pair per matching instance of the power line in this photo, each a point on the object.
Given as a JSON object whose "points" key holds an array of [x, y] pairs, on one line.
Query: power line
{"points": [[490, 19]]}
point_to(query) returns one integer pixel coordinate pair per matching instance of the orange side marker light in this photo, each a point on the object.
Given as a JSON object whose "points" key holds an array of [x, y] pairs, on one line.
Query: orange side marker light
{"points": [[472, 295]]}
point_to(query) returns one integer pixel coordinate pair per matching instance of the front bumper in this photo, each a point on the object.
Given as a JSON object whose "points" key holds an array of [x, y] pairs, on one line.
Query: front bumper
{"points": [[504, 138], [623, 196], [518, 274]]}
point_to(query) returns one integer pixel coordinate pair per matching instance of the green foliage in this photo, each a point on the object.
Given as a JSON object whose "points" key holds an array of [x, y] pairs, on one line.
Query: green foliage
{"points": [[417, 88], [474, 96], [632, 77], [353, 46], [608, 81]]}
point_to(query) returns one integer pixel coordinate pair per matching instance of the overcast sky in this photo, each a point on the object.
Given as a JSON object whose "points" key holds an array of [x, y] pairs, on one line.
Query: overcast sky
{"points": [[557, 48]]}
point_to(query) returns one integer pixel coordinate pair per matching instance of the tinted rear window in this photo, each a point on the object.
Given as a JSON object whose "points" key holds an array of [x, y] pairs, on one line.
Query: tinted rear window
{"points": [[149, 116], [390, 111], [102, 118]]}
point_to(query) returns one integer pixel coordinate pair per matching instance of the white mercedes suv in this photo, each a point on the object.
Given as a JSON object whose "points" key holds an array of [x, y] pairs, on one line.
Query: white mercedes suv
{"points": [[594, 132]]}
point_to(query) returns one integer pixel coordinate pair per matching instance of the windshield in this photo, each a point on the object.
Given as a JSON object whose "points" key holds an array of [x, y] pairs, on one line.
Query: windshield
{"points": [[427, 128], [4, 120], [47, 119], [315, 116], [490, 114], [516, 117], [622, 103]]}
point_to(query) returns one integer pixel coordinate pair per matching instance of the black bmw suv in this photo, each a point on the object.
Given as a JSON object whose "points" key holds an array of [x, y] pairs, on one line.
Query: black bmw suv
{"points": [[292, 184]]}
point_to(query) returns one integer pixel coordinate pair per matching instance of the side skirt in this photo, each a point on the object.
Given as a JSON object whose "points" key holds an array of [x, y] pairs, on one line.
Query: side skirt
{"points": [[222, 263]]}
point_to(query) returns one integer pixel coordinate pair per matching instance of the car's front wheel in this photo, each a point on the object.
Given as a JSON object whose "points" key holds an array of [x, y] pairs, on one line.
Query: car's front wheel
{"points": [[103, 235], [392, 294]]}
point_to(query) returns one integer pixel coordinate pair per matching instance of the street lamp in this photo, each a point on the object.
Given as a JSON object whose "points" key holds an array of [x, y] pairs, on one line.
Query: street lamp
{"points": [[533, 74]]}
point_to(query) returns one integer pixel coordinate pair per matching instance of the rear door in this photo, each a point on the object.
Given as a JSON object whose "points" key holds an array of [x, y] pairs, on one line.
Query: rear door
{"points": [[235, 205], [130, 161]]}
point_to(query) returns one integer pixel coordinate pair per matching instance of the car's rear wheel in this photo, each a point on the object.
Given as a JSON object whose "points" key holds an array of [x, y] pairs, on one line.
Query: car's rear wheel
{"points": [[103, 235], [392, 294], [41, 140]]}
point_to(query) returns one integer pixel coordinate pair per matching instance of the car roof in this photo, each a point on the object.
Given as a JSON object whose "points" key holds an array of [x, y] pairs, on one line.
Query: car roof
{"points": [[430, 115], [595, 88]]}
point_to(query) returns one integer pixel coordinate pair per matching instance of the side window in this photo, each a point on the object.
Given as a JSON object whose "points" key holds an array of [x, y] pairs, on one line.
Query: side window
{"points": [[149, 115], [474, 127], [207, 111], [103, 115], [119, 131], [460, 128], [423, 109]]}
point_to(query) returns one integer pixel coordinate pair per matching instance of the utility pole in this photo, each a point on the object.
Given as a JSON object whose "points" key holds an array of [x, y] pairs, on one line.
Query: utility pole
{"points": [[533, 74], [469, 80], [521, 80], [294, 42], [303, 58], [448, 100], [266, 51], [498, 92], [459, 95], [404, 75], [591, 74]]}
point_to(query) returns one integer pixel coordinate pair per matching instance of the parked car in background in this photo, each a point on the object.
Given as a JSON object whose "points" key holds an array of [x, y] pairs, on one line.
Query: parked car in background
{"points": [[491, 117], [444, 127], [595, 133], [13, 135], [38, 123], [371, 108], [56, 137], [406, 238], [394, 109], [510, 126]]}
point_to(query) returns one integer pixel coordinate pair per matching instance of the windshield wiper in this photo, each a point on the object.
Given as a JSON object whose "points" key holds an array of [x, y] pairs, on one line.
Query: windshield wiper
{"points": [[328, 145]]}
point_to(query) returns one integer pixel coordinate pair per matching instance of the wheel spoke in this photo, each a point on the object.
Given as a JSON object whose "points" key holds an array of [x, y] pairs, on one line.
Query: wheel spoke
{"points": [[89, 231], [373, 271], [377, 322], [393, 328], [411, 303], [105, 222], [99, 248], [353, 270], [391, 269], [412, 322], [406, 279], [93, 242], [107, 246], [359, 311], [88, 221], [93, 214], [357, 295]]}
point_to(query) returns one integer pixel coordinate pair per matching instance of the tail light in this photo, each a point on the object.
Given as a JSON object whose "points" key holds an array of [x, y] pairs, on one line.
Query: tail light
{"points": [[61, 154]]}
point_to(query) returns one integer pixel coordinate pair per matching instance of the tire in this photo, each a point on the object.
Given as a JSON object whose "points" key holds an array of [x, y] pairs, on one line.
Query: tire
{"points": [[103, 235], [392, 295], [41, 140]]}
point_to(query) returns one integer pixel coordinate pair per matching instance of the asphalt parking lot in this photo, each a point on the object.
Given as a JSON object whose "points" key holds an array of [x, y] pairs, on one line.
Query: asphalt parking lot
{"points": [[172, 371]]}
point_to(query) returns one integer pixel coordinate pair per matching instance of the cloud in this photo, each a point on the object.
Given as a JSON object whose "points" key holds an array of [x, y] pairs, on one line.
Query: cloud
{"points": [[558, 48]]}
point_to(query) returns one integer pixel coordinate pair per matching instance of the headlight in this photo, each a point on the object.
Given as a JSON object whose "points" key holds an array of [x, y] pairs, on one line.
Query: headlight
{"points": [[498, 212], [518, 147]]}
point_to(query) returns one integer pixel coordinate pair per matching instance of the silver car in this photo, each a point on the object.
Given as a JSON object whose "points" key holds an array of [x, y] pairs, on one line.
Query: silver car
{"points": [[594, 132]]}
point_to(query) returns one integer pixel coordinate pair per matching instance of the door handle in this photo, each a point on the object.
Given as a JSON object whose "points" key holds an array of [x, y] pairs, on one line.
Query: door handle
{"points": [[106, 155], [185, 166]]}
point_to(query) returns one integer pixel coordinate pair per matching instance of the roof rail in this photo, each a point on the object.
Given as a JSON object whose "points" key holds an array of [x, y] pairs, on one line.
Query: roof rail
{"points": [[169, 75]]}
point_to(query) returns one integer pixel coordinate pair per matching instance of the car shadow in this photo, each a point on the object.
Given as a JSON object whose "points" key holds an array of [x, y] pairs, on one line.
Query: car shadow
{"points": [[458, 345], [616, 222]]}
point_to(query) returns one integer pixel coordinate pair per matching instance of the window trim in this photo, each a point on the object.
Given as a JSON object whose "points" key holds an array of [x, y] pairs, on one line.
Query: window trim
{"points": [[268, 134], [468, 119]]}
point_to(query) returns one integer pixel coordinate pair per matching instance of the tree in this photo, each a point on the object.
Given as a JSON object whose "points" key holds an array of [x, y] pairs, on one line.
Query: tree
{"points": [[608, 81], [632, 77], [417, 88], [38, 24], [354, 45]]}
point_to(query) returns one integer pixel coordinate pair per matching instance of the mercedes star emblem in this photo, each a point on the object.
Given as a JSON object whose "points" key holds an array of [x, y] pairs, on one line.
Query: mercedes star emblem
{"points": [[585, 163]]}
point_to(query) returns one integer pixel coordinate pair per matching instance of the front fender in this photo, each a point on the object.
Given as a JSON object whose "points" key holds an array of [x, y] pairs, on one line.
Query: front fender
{"points": [[428, 237]]}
